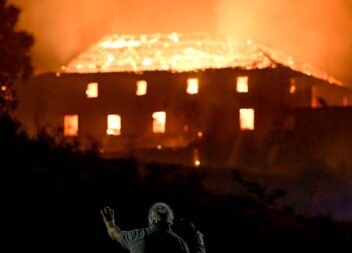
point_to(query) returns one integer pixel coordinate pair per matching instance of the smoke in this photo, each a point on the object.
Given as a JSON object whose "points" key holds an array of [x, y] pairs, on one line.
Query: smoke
{"points": [[64, 28], [315, 31]]}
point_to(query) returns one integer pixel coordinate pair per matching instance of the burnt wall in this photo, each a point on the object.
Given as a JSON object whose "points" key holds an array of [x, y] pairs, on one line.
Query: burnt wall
{"points": [[214, 111], [324, 134]]}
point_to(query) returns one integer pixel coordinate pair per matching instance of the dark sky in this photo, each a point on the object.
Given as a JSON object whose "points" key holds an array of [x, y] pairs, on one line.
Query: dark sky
{"points": [[314, 31]]}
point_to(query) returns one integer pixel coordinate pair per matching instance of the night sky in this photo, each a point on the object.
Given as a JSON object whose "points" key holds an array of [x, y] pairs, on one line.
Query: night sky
{"points": [[315, 31]]}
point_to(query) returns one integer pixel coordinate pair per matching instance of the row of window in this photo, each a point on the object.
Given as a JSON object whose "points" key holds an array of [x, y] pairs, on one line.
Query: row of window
{"points": [[192, 87], [246, 119]]}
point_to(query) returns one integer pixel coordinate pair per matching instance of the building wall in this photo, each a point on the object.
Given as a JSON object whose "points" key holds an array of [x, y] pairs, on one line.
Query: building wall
{"points": [[213, 112], [320, 135]]}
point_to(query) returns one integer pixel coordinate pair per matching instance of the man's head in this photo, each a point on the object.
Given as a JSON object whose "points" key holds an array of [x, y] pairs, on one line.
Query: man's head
{"points": [[160, 214]]}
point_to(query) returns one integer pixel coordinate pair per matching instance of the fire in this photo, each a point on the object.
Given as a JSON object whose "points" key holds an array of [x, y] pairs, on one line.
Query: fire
{"points": [[196, 160], [292, 86], [292, 89], [141, 87], [192, 85], [114, 124], [242, 84], [159, 120], [92, 90], [71, 125], [247, 119], [178, 52]]}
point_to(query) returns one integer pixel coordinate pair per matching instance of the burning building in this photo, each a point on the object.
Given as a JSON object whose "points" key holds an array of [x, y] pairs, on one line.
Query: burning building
{"points": [[179, 98]]}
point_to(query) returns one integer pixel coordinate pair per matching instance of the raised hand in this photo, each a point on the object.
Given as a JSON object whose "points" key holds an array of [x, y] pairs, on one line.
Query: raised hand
{"points": [[108, 214]]}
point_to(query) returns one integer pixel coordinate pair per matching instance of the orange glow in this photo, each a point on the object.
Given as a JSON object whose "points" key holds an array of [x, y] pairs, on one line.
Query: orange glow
{"points": [[196, 161], [200, 134], [192, 85], [71, 125], [114, 125], [247, 119], [345, 101], [180, 52], [141, 87], [92, 90], [110, 58], [242, 84], [159, 121], [173, 52], [3, 88], [292, 89], [292, 86], [314, 102]]}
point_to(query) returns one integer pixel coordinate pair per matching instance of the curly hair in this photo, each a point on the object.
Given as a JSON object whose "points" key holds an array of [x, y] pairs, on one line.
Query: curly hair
{"points": [[160, 213]]}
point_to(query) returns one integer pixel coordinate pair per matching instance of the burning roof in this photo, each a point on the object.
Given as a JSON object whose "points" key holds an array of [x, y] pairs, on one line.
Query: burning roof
{"points": [[178, 52]]}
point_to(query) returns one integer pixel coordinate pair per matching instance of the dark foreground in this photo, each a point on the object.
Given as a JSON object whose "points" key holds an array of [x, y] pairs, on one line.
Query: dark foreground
{"points": [[52, 194]]}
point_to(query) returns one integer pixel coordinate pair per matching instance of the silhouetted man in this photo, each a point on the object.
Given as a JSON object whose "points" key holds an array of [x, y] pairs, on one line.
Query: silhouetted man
{"points": [[157, 238]]}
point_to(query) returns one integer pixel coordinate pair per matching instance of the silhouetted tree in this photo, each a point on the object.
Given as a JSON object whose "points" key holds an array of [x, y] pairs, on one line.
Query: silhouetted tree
{"points": [[15, 59], [264, 195]]}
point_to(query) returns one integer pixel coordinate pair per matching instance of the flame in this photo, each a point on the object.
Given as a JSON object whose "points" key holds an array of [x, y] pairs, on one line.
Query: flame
{"points": [[292, 89], [192, 85], [92, 90], [179, 52], [292, 86], [141, 87], [196, 160], [242, 84], [159, 120], [114, 125], [247, 119], [71, 125]]}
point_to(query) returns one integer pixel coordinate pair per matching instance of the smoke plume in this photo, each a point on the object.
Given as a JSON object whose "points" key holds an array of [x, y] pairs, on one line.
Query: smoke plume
{"points": [[315, 31], [64, 28]]}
